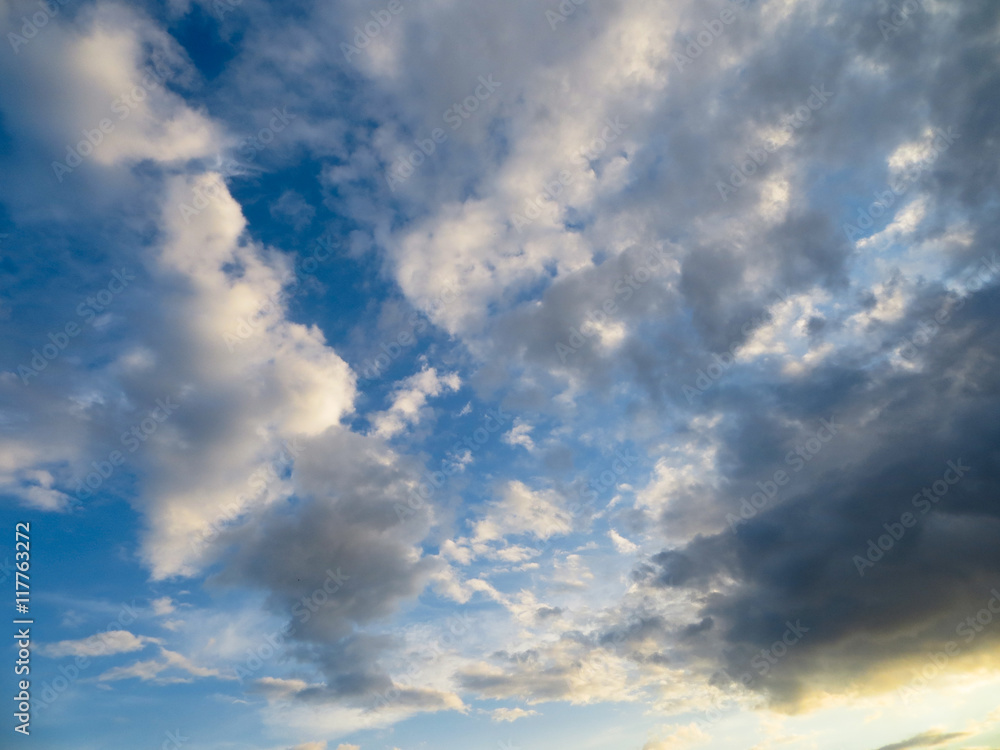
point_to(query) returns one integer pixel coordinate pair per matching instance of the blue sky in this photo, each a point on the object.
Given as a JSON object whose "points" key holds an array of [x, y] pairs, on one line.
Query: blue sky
{"points": [[386, 376]]}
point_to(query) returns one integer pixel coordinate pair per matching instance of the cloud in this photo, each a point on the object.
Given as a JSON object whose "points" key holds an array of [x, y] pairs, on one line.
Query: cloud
{"points": [[351, 488], [622, 545], [184, 670], [520, 434], [925, 739], [291, 208], [409, 400], [510, 714], [162, 606], [276, 687], [570, 669], [239, 397], [303, 386], [103, 644], [571, 246], [775, 556], [520, 510]]}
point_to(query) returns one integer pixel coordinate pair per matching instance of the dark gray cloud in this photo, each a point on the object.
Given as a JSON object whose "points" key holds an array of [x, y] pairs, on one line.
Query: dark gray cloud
{"points": [[795, 558], [343, 526]]}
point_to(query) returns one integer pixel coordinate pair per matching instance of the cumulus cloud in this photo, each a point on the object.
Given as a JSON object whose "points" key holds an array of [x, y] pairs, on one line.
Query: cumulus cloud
{"points": [[568, 253], [162, 606], [409, 400], [623, 545], [219, 433], [520, 510], [520, 434]]}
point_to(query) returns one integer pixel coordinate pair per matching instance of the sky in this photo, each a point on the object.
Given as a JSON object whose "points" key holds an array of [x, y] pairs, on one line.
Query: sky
{"points": [[425, 375]]}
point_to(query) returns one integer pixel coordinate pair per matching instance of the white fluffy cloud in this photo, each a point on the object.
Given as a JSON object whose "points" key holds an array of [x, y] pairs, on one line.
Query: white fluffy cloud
{"points": [[212, 339], [409, 400], [266, 381], [521, 510]]}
